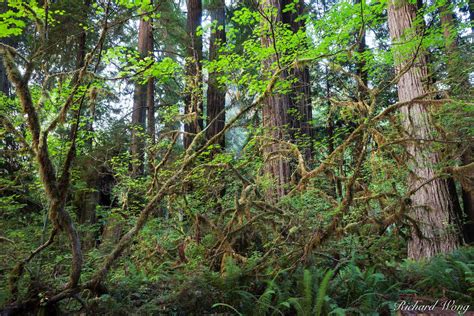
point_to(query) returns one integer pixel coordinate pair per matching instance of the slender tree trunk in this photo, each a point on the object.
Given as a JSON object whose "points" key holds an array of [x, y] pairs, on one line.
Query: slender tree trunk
{"points": [[150, 99], [336, 185], [81, 43], [85, 201], [471, 14], [301, 130], [363, 77], [432, 207], [360, 67], [4, 83], [275, 113], [80, 58], [459, 83], [216, 93], [193, 99], [140, 104]]}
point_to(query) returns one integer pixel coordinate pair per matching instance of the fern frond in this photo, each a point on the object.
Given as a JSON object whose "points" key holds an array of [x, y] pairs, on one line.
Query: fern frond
{"points": [[228, 306], [322, 292], [307, 291], [264, 302], [295, 302]]}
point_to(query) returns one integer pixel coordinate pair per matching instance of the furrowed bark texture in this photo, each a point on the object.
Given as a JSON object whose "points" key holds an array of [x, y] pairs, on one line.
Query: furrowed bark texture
{"points": [[275, 112], [432, 206], [140, 103], [150, 105], [215, 92], [460, 86], [150, 100], [300, 97], [193, 99]]}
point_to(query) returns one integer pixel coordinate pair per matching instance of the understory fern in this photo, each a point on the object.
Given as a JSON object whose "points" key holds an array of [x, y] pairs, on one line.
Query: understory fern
{"points": [[310, 303], [323, 287]]}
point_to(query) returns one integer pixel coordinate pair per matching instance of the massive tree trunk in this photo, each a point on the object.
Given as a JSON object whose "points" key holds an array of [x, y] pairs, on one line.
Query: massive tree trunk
{"points": [[140, 103], [216, 93], [300, 97], [274, 113], [193, 98], [432, 208], [459, 83]]}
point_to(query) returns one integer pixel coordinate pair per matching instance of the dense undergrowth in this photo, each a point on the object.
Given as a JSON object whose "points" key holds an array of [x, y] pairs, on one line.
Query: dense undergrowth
{"points": [[351, 286], [339, 280], [217, 245]]}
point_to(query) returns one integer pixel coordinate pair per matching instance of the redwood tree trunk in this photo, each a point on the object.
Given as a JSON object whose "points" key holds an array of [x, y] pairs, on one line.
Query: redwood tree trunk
{"points": [[150, 99], [460, 85], [150, 105], [193, 99], [216, 93], [300, 97], [275, 116], [432, 208], [140, 104]]}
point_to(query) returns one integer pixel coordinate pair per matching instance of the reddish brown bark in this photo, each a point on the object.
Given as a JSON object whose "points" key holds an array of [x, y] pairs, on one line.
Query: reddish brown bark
{"points": [[275, 112], [432, 207], [460, 85], [300, 97], [215, 92], [193, 99], [150, 105], [140, 104], [150, 100]]}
